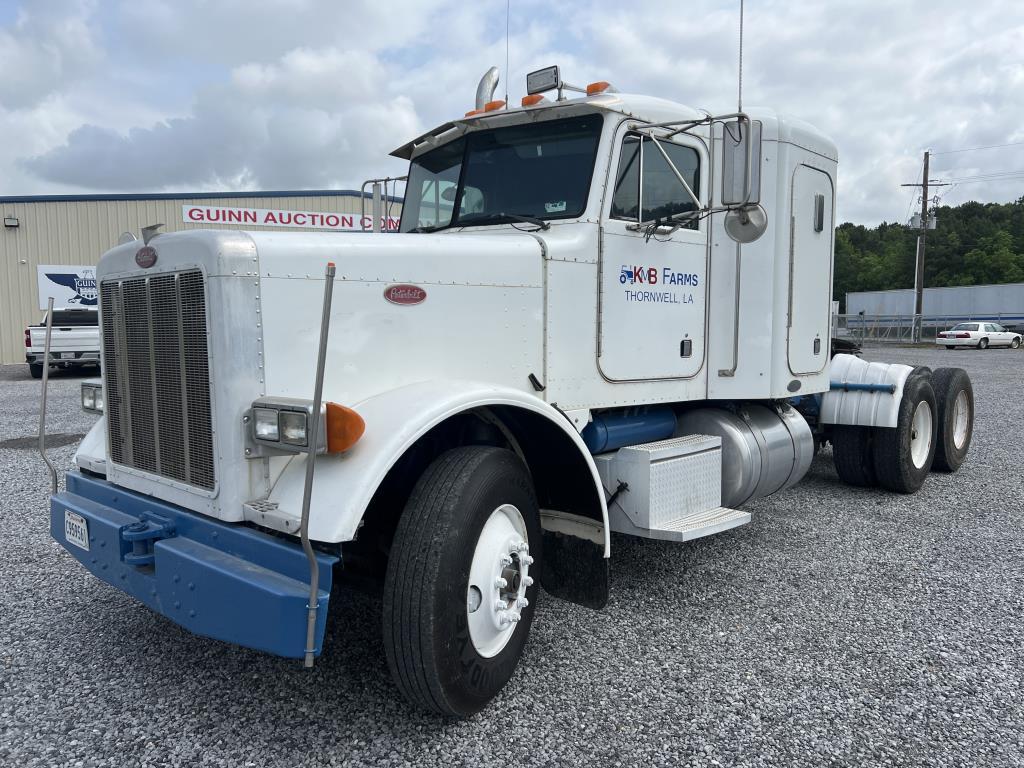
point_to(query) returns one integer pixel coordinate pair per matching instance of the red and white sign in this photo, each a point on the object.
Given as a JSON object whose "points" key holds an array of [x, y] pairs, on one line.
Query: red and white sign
{"points": [[241, 218]]}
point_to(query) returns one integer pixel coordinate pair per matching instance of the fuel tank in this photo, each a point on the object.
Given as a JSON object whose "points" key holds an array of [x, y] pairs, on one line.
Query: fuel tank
{"points": [[765, 449]]}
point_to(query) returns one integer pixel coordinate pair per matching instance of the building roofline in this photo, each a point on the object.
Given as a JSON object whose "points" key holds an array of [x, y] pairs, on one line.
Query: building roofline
{"points": [[184, 196]]}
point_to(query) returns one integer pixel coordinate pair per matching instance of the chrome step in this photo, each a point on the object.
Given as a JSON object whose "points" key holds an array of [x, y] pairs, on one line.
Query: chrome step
{"points": [[684, 528]]}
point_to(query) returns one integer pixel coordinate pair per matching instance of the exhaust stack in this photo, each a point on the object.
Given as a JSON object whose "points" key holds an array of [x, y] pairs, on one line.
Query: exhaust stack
{"points": [[485, 90]]}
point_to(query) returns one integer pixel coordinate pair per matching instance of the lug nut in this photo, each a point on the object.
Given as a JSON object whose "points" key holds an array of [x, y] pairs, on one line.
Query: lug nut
{"points": [[500, 605], [527, 581], [513, 617], [506, 561], [503, 619], [526, 560], [524, 547], [522, 602], [500, 583]]}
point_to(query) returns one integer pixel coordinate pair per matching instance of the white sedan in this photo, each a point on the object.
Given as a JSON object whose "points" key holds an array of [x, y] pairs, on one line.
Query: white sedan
{"points": [[980, 335]]}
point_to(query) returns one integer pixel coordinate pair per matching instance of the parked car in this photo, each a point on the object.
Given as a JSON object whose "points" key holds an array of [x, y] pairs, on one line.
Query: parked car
{"points": [[74, 341], [980, 335]]}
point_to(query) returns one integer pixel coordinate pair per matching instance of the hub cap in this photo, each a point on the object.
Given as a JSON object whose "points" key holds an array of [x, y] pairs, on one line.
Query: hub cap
{"points": [[961, 419], [498, 579], [921, 434]]}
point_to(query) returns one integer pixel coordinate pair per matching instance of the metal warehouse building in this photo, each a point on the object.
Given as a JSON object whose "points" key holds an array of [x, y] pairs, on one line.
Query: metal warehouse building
{"points": [[997, 303], [78, 229]]}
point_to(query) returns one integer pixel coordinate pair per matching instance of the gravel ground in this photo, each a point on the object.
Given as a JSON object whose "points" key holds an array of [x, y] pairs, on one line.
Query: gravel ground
{"points": [[841, 627]]}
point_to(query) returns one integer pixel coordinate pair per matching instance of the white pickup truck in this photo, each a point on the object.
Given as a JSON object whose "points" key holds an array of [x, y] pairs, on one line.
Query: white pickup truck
{"points": [[607, 313], [74, 340]]}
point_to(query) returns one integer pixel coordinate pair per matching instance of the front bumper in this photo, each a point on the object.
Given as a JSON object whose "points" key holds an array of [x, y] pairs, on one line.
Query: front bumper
{"points": [[225, 581]]}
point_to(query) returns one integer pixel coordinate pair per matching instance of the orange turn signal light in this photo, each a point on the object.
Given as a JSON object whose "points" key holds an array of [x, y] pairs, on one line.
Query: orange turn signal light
{"points": [[599, 87], [490, 106], [474, 112], [533, 98], [344, 428]]}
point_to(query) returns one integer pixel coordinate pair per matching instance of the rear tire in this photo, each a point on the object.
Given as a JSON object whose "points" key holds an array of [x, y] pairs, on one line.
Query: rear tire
{"points": [[954, 400], [983, 344], [903, 454], [851, 454], [440, 657], [36, 369]]}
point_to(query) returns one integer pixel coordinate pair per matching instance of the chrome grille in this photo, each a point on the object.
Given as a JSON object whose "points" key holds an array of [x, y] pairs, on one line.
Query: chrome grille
{"points": [[157, 375]]}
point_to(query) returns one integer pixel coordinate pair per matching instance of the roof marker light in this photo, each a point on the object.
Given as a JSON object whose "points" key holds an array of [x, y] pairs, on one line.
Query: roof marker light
{"points": [[474, 112], [490, 106], [533, 99], [600, 87]]}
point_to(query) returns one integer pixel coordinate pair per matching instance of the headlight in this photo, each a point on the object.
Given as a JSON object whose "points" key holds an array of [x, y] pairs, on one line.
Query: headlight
{"points": [[92, 396], [265, 425], [293, 427]]}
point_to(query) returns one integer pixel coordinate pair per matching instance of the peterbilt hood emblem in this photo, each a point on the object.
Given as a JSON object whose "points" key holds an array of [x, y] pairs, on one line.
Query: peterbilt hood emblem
{"points": [[145, 257], [405, 294]]}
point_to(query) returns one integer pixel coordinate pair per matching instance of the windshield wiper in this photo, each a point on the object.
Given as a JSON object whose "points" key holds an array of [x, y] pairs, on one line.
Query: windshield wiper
{"points": [[498, 218], [432, 227]]}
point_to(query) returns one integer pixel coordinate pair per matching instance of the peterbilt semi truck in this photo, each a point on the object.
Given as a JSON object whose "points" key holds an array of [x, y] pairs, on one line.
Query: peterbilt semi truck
{"points": [[603, 313]]}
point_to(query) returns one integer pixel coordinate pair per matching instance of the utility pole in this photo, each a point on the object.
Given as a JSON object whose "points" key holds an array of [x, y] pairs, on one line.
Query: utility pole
{"points": [[921, 238]]}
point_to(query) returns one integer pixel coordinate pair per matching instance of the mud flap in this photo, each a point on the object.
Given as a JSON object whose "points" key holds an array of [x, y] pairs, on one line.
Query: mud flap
{"points": [[574, 567]]}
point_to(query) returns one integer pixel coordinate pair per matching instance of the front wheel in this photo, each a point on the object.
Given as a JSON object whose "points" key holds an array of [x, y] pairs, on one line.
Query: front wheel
{"points": [[459, 596], [1015, 343]]}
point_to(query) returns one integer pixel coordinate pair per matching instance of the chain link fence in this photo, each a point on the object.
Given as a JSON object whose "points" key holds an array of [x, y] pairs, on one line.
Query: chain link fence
{"points": [[899, 329]]}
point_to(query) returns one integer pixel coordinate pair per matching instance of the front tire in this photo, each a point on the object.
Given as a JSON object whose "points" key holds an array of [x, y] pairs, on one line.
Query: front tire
{"points": [[471, 523], [954, 398], [903, 454], [1015, 344]]}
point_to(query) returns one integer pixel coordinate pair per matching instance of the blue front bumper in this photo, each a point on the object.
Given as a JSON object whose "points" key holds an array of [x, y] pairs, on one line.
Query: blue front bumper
{"points": [[225, 581]]}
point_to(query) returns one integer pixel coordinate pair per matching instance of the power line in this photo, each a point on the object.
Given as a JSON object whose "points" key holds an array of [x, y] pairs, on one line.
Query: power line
{"points": [[975, 149]]}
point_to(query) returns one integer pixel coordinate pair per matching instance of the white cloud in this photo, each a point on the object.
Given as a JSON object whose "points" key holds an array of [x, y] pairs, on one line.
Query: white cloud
{"points": [[298, 93]]}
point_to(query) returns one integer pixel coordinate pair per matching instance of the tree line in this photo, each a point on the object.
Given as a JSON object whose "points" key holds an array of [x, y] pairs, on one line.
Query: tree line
{"points": [[972, 244]]}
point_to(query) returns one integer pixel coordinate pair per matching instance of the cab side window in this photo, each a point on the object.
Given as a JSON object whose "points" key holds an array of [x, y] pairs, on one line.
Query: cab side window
{"points": [[646, 188]]}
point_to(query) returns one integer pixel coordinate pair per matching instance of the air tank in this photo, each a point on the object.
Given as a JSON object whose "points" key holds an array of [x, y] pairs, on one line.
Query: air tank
{"points": [[765, 449]]}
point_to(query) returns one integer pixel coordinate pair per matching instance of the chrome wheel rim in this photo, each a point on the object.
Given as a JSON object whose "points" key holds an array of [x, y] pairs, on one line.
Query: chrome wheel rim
{"points": [[961, 419], [498, 579], [921, 434]]}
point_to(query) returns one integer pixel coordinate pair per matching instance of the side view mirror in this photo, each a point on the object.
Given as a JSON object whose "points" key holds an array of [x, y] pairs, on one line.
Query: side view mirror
{"points": [[741, 162]]}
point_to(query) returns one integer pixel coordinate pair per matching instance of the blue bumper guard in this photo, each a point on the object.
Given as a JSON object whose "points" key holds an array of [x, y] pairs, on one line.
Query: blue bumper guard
{"points": [[221, 580]]}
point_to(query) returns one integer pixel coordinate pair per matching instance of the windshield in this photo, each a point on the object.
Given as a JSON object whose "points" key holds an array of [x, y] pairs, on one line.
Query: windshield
{"points": [[540, 170]]}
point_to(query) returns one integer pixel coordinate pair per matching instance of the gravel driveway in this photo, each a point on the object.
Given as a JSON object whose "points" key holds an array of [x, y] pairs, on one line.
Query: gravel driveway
{"points": [[841, 627]]}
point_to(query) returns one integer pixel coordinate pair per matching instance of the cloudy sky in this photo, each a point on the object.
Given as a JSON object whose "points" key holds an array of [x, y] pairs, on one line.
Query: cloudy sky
{"points": [[187, 95]]}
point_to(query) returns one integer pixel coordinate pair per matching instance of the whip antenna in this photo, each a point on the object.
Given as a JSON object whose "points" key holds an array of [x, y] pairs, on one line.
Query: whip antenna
{"points": [[507, 73], [739, 94]]}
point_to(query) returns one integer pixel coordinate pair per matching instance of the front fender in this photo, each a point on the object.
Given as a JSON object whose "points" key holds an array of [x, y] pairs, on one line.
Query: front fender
{"points": [[345, 483], [91, 453]]}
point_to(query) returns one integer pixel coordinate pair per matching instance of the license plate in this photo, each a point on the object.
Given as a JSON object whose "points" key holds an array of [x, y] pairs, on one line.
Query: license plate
{"points": [[76, 529], [67, 355]]}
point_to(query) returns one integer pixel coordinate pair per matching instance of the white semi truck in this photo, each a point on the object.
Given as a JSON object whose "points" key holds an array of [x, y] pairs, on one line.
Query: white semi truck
{"points": [[605, 313]]}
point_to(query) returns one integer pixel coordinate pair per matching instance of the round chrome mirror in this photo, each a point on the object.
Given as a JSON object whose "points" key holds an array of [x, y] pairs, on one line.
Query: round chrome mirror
{"points": [[745, 225]]}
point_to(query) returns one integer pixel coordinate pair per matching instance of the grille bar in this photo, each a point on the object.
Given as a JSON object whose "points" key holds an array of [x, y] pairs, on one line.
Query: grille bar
{"points": [[156, 368]]}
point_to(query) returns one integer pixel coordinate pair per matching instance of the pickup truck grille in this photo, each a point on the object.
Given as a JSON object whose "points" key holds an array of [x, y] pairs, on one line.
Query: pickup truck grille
{"points": [[157, 375]]}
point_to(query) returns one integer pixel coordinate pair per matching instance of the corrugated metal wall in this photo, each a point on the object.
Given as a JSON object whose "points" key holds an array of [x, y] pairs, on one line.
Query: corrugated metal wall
{"points": [[80, 231], [960, 302]]}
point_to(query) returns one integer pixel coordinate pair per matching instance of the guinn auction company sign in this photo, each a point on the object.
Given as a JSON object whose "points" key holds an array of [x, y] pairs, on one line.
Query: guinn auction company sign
{"points": [[235, 218]]}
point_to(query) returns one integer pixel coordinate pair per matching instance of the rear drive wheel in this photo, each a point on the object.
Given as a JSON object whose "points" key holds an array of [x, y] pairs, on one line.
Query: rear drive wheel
{"points": [[903, 454], [36, 369], [851, 453], [983, 344], [954, 400], [458, 594]]}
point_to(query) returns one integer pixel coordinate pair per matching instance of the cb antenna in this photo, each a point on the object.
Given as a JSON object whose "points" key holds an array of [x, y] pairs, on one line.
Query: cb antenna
{"points": [[739, 93], [507, 73]]}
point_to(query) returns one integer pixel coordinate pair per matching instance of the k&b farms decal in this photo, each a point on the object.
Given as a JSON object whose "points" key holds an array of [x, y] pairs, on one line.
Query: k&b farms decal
{"points": [[650, 285]]}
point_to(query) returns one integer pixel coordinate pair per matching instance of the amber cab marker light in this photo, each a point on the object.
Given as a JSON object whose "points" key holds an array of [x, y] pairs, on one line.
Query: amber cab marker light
{"points": [[599, 87], [344, 428], [532, 99], [490, 106], [474, 112]]}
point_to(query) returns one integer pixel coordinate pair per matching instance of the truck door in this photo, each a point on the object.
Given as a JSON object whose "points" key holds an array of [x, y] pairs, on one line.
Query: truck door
{"points": [[653, 279], [810, 270]]}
